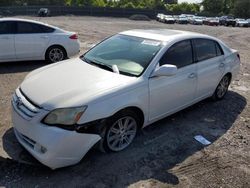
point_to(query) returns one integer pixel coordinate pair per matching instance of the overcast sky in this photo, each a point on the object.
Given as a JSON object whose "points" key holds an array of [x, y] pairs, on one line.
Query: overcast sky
{"points": [[189, 1]]}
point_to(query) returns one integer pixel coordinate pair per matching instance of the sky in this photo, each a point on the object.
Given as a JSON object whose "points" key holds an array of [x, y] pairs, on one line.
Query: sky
{"points": [[189, 1]]}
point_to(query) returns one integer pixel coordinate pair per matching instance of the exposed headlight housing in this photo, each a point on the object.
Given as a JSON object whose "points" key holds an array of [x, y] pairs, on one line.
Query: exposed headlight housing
{"points": [[64, 116]]}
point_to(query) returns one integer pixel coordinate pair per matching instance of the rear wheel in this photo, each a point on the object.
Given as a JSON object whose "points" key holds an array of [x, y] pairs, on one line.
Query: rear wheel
{"points": [[222, 88], [120, 131], [55, 54]]}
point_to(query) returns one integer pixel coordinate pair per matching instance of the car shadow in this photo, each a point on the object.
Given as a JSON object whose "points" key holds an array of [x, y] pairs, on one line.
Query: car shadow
{"points": [[20, 66], [156, 150]]}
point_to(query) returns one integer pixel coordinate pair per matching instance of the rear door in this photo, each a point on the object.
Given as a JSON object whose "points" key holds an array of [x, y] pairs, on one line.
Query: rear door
{"points": [[7, 47], [31, 40], [210, 66]]}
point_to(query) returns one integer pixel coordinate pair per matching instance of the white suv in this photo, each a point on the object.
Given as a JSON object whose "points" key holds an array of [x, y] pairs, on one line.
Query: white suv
{"points": [[125, 83]]}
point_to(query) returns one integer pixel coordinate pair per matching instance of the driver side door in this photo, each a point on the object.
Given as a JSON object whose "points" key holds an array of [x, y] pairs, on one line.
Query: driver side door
{"points": [[169, 94]]}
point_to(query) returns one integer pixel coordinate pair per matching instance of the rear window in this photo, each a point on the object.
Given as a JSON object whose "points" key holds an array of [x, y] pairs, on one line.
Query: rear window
{"points": [[205, 49], [219, 50], [26, 27]]}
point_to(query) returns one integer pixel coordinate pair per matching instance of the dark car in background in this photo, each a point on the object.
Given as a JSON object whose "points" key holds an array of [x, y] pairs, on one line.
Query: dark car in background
{"points": [[43, 12], [227, 21]]}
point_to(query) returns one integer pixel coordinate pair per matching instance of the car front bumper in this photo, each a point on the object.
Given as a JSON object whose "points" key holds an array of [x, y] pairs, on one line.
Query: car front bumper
{"points": [[52, 146]]}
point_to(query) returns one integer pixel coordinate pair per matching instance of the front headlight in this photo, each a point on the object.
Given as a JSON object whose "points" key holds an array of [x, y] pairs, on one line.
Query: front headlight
{"points": [[64, 116]]}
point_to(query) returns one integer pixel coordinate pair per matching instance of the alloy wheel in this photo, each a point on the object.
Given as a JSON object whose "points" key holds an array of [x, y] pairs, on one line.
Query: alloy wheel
{"points": [[121, 133], [223, 87], [56, 54]]}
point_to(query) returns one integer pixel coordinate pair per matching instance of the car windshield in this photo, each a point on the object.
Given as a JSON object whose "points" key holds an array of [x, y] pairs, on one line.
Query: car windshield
{"points": [[130, 54]]}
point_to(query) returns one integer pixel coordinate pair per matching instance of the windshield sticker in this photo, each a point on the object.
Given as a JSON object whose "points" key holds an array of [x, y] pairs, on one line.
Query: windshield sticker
{"points": [[150, 42]]}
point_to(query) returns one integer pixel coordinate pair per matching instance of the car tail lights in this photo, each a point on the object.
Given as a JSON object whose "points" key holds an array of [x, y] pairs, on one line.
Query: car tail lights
{"points": [[74, 37]]}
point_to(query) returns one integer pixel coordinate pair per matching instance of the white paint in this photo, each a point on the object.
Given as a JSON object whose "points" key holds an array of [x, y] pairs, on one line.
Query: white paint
{"points": [[33, 46], [74, 83]]}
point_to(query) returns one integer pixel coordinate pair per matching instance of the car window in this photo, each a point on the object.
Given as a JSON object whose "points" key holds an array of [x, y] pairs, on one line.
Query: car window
{"points": [[26, 27], [6, 27], [219, 50], [205, 49], [180, 54], [47, 29]]}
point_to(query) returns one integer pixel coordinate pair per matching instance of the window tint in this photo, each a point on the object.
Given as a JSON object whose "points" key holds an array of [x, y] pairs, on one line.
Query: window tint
{"points": [[130, 54], [219, 50], [205, 49], [25, 27], [6, 27], [180, 54], [46, 29]]}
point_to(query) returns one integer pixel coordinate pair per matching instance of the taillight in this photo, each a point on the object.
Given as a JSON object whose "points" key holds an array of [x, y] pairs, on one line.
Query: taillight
{"points": [[74, 37]]}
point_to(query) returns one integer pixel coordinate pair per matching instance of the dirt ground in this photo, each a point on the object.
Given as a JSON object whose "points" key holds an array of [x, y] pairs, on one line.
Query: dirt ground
{"points": [[164, 154]]}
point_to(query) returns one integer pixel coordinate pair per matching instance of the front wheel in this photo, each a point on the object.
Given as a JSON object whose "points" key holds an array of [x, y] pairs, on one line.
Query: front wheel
{"points": [[121, 131], [222, 88]]}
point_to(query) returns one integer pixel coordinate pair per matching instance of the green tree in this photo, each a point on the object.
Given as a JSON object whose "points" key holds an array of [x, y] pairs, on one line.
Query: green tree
{"points": [[214, 7], [242, 8]]}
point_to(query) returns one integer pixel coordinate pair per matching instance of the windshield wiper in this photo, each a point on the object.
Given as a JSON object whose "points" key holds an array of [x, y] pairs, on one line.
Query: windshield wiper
{"points": [[104, 66], [97, 63]]}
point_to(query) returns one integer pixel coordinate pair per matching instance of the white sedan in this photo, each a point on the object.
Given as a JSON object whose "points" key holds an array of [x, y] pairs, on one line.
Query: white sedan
{"points": [[123, 84], [22, 39]]}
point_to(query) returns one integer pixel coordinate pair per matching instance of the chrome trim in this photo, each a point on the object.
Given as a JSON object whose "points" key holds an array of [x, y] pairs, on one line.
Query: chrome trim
{"points": [[23, 106]]}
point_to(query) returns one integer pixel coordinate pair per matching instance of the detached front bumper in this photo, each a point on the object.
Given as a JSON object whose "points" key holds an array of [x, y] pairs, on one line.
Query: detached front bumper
{"points": [[53, 147]]}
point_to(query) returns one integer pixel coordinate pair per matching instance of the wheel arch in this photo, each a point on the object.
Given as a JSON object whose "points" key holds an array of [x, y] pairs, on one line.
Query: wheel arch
{"points": [[228, 74], [135, 109]]}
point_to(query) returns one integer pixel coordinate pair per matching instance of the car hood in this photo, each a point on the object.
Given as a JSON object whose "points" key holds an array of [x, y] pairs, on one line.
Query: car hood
{"points": [[71, 83]]}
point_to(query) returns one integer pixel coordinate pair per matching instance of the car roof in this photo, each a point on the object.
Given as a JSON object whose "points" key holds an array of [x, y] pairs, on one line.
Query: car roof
{"points": [[30, 21], [164, 35], [24, 20]]}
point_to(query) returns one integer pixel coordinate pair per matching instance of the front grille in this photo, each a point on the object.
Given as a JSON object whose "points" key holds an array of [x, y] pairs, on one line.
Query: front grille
{"points": [[24, 106]]}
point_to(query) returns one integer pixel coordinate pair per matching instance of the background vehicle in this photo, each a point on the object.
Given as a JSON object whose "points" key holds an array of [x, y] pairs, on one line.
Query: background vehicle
{"points": [[22, 39], [196, 20], [182, 20], [241, 22], [43, 12], [169, 19], [120, 91], [158, 17], [161, 17], [230, 21], [213, 21], [248, 20]]}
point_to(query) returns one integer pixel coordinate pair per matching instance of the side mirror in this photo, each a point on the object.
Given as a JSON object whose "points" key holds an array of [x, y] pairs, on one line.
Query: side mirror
{"points": [[165, 70]]}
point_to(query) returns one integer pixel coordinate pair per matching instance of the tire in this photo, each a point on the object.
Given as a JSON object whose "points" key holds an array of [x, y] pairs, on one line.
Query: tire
{"points": [[120, 131], [222, 88], [55, 54]]}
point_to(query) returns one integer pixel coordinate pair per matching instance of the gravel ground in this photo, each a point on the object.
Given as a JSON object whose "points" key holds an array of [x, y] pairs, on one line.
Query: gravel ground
{"points": [[164, 154]]}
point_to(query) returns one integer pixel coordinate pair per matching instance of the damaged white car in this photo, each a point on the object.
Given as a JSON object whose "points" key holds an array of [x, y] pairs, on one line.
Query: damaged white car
{"points": [[123, 84]]}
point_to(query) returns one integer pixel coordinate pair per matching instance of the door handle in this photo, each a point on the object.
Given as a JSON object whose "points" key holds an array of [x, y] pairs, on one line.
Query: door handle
{"points": [[222, 65], [192, 75]]}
